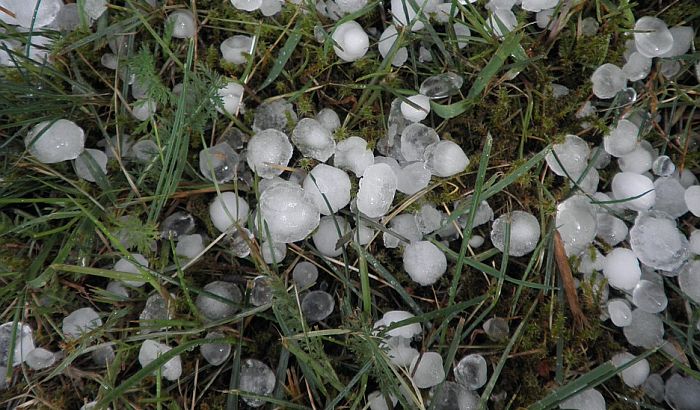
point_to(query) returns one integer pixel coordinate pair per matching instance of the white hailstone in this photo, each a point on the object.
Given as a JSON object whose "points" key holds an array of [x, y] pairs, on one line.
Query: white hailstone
{"points": [[524, 233], [124, 265], [688, 179], [151, 350], [235, 49], [682, 40], [145, 151], [270, 7], [365, 233], [591, 261], [621, 268], [265, 184], [453, 396], [31, 13], [694, 242], [269, 151], [377, 189], [143, 109], [351, 154], [637, 191], [663, 166], [80, 322], [399, 351], [40, 358], [622, 139], [377, 401], [427, 370], [646, 330], [412, 178], [313, 139], [189, 246], [246, 5], [261, 292], [103, 355], [682, 393], [619, 312], [52, 142], [599, 157], [227, 303], [406, 331], [118, 289], [403, 225], [543, 17], [91, 164], [462, 34], [500, 4], [689, 280], [497, 329], [415, 138], [329, 119], [637, 67], [68, 18], [238, 245], [317, 305], [351, 41], [327, 183], [416, 108], [441, 85], [657, 242], [428, 219], [23, 343], [273, 252], [157, 310], [635, 375], [588, 183], [215, 353], [638, 161], [501, 22], [406, 12], [445, 158], [589, 399], [538, 5], [275, 114], [649, 296], [257, 378], [386, 41], [654, 387], [231, 95], [669, 68], [182, 22], [559, 90], [228, 209], [424, 262], [608, 80], [668, 191], [289, 214], [652, 37], [218, 163], [577, 224], [692, 199], [569, 157], [610, 229], [327, 235], [110, 61], [476, 241], [304, 274], [350, 6], [471, 371]]}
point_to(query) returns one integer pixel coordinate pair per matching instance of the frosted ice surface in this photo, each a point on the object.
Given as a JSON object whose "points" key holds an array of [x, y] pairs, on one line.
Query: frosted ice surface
{"points": [[218, 163], [428, 219], [377, 189], [524, 232], [610, 229], [445, 158], [654, 387], [352, 41], [453, 396], [412, 177], [441, 85], [646, 330], [313, 139], [124, 265], [215, 353], [103, 355], [538, 5], [427, 370], [416, 108], [405, 12], [317, 305], [577, 224], [682, 393], [118, 289], [424, 262], [386, 41], [327, 183], [351, 154], [692, 199], [652, 37], [273, 252], [329, 119], [68, 17], [176, 224], [182, 22], [40, 358], [55, 142], [649, 296], [682, 40], [694, 242], [91, 164], [483, 213], [156, 310], [227, 303], [689, 280], [235, 48], [400, 352], [304, 274], [657, 242], [669, 192], [31, 13], [256, 377], [377, 401], [189, 246], [143, 109], [638, 161], [228, 209], [471, 371], [289, 214], [621, 268], [269, 151], [406, 331], [145, 150], [462, 34], [261, 293], [497, 329], [23, 344], [637, 191], [151, 350], [636, 374], [501, 22], [231, 94], [476, 241], [274, 114], [569, 157], [415, 138], [637, 67], [327, 236], [620, 312], [608, 80], [589, 399], [80, 322], [247, 5], [95, 8]]}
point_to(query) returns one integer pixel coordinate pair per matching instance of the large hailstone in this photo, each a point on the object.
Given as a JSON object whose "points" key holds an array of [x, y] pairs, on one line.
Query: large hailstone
{"points": [[657, 242], [416, 108], [351, 154], [637, 191], [231, 95], [652, 37], [386, 41], [524, 232], [424, 262], [269, 151], [55, 142], [377, 189], [183, 23], [328, 234], [80, 322], [93, 167], [289, 214], [313, 139], [228, 209], [235, 48], [445, 158], [608, 80], [570, 157], [621, 268], [405, 12], [577, 224], [331, 182], [351, 41], [415, 138], [30, 13]]}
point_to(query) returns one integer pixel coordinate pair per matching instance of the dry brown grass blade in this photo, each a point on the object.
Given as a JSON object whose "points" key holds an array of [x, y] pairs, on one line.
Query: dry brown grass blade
{"points": [[567, 281]]}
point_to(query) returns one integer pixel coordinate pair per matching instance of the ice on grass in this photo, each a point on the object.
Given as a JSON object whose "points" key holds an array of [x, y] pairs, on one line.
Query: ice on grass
{"points": [[176, 224], [257, 378], [268, 152], [608, 80], [638, 161], [428, 219], [386, 41], [663, 166], [453, 396], [231, 95], [652, 38], [649, 296], [544, 17], [538, 5], [275, 114], [524, 232], [692, 199], [351, 41], [416, 108], [637, 66], [182, 22], [328, 188], [657, 242], [405, 13], [441, 85], [329, 119], [235, 49], [497, 329], [412, 177], [668, 191], [501, 22], [377, 401], [304, 274], [619, 312], [189, 246], [682, 41], [471, 371], [328, 234], [635, 375], [589, 399], [646, 330], [317, 305], [689, 280], [462, 34], [682, 393], [52, 142], [289, 214], [145, 151], [569, 157], [157, 310], [445, 158], [32, 13], [261, 292], [407, 331], [424, 262], [151, 351], [399, 351], [427, 370], [377, 189], [224, 303], [476, 241], [610, 229], [103, 355], [621, 268], [635, 190], [351, 154], [80, 322], [68, 18], [273, 252], [654, 387], [91, 164], [482, 215], [228, 209], [40, 358], [143, 109], [577, 224], [694, 242], [118, 289], [415, 138], [218, 163], [23, 343], [215, 353], [313, 139], [127, 266]]}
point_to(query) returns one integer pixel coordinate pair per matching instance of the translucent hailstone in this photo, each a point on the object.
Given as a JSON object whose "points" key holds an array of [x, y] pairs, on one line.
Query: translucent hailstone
{"points": [[274, 114], [405, 13], [668, 191], [654, 387], [257, 378], [589, 26], [428, 219], [273, 252], [663, 166], [688, 179], [386, 41], [231, 95], [646, 330], [23, 343], [54, 142], [694, 242], [638, 161], [228, 209], [350, 6], [215, 353], [127, 266], [182, 22], [40, 358], [589, 399], [157, 310], [427, 370], [329, 119], [351, 41], [682, 40], [415, 138], [404, 225], [657, 242], [377, 401], [118, 289], [95, 8], [637, 67], [364, 233], [621, 268], [247, 5], [32, 13], [692, 199], [682, 393], [445, 158], [608, 80], [268, 152], [377, 189], [524, 232], [151, 350], [189, 246], [483, 213], [441, 85], [317, 305], [328, 234], [145, 151], [649, 296], [68, 18], [538, 5], [501, 22], [103, 355], [218, 163], [412, 178], [577, 224], [588, 183], [313, 139], [399, 351], [225, 305], [327, 183], [689, 280], [544, 17], [591, 261], [652, 38], [637, 191], [289, 214], [476, 241], [569, 157], [424, 262], [634, 375], [453, 396], [261, 293], [497, 329], [406, 331], [80, 322], [351, 154], [416, 108], [610, 229], [235, 49], [304, 274], [424, 54], [176, 224], [91, 164], [143, 109], [619, 312], [471, 371]]}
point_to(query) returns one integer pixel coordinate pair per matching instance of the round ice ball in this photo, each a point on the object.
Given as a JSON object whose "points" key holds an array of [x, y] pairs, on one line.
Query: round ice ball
{"points": [[445, 159], [268, 152], [327, 235], [652, 37], [235, 48], [524, 232], [424, 262], [351, 41], [621, 268], [608, 80], [91, 164], [183, 23], [636, 190], [636, 374], [228, 209], [327, 183], [52, 142], [416, 108]]}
